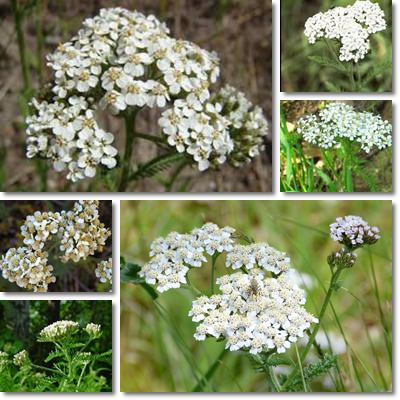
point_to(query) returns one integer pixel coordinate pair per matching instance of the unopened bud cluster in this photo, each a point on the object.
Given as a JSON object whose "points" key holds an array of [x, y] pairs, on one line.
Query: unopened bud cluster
{"points": [[93, 330], [122, 61], [342, 259], [21, 359], [351, 26], [339, 121], [79, 231]]}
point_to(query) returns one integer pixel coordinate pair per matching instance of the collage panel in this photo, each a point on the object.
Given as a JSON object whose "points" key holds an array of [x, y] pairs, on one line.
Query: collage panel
{"points": [[336, 46], [56, 246], [336, 146], [137, 97], [256, 296], [55, 346]]}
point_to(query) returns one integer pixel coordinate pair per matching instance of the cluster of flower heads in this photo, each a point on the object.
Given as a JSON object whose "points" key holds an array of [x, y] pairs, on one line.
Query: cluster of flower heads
{"points": [[4, 360], [104, 271], [174, 255], [122, 61], [253, 313], [351, 26], [79, 231], [227, 127], [337, 121], [62, 330], [353, 232]]}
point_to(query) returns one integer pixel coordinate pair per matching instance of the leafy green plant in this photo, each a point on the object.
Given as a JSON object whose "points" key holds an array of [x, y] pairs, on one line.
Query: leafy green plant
{"points": [[69, 367]]}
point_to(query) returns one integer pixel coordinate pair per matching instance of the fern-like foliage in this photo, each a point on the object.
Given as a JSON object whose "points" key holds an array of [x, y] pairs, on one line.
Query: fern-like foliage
{"points": [[313, 371], [157, 165]]}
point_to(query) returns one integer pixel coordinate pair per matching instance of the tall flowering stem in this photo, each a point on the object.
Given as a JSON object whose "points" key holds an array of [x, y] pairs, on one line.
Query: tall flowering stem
{"points": [[129, 139]]}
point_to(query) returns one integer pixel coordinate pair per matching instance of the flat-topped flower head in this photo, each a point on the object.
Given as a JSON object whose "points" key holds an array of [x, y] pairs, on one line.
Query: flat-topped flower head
{"points": [[253, 313], [173, 256], [353, 232], [338, 121], [351, 26], [58, 331], [258, 255]]}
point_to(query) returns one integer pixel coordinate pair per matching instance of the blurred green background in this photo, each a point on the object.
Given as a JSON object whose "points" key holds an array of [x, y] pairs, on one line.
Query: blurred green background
{"points": [[158, 351], [299, 74]]}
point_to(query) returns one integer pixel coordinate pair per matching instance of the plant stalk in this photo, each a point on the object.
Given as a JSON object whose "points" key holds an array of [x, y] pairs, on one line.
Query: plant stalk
{"points": [[129, 139]]}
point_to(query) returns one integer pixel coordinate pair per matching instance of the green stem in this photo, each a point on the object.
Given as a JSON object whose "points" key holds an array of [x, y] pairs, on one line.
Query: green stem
{"points": [[351, 76], [348, 166], [53, 371], [274, 380], [129, 139], [331, 289], [81, 376], [301, 368], [213, 266], [18, 19]]}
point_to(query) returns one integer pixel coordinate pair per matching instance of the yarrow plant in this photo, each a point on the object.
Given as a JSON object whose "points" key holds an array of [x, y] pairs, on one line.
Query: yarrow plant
{"points": [[72, 369], [338, 122], [350, 27], [122, 62], [347, 139], [77, 233], [260, 309]]}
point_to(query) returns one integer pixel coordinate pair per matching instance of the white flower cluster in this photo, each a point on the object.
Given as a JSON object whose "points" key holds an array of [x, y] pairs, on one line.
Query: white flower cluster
{"points": [[353, 231], [104, 271], [122, 61], [22, 358], [58, 331], [226, 127], [253, 313], [93, 330], [67, 133], [79, 231], [248, 125], [174, 255], [258, 255], [82, 233], [351, 26], [27, 268], [337, 121]]}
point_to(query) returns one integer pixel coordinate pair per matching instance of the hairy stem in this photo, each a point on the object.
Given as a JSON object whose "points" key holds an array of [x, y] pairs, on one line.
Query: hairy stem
{"points": [[53, 371], [129, 139], [273, 379], [331, 289]]}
